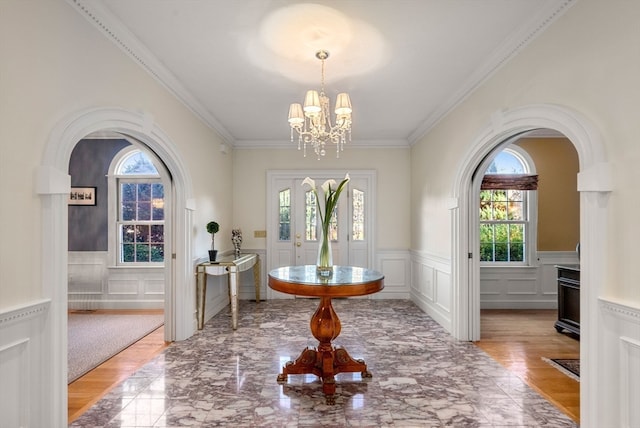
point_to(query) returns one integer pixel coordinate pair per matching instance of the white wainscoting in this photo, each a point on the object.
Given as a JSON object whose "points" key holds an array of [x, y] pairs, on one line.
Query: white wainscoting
{"points": [[94, 285], [395, 266], [431, 286], [620, 361], [22, 351], [524, 287]]}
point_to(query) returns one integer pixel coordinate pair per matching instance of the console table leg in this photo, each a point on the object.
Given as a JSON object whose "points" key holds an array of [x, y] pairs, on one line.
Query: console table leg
{"points": [[201, 295], [256, 278], [233, 290]]}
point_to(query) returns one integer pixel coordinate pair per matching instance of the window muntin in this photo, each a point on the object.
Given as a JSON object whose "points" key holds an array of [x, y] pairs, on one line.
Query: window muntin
{"points": [[140, 217], [504, 215]]}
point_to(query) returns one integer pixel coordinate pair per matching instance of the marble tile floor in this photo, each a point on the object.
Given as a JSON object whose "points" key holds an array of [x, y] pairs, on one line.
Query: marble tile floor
{"points": [[422, 377]]}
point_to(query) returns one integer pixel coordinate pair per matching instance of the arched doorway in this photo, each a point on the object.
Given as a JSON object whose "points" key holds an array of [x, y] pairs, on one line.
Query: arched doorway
{"points": [[594, 180], [53, 187]]}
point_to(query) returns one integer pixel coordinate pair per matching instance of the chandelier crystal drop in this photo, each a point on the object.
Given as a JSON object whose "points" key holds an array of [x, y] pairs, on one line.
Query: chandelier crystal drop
{"points": [[312, 123]]}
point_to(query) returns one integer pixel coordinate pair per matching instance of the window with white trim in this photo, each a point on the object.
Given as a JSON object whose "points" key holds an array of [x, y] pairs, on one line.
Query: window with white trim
{"points": [[507, 206], [140, 211]]}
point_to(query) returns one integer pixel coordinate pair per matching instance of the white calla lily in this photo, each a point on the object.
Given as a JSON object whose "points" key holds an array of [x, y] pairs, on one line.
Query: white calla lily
{"points": [[328, 185], [311, 182], [331, 192]]}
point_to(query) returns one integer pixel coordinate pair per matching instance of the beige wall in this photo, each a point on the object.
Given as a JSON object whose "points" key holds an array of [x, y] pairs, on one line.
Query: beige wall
{"points": [[391, 165], [556, 163], [55, 63], [592, 72]]}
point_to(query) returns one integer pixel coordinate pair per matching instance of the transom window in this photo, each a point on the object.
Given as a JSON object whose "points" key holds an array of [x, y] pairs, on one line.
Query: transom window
{"points": [[504, 209], [140, 217]]}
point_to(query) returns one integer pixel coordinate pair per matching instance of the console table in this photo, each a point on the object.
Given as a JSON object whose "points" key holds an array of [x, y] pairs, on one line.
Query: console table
{"points": [[325, 361], [231, 266]]}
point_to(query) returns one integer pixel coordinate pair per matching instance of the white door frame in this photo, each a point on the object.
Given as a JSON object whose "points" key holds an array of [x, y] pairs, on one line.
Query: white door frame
{"points": [[594, 184], [53, 185]]}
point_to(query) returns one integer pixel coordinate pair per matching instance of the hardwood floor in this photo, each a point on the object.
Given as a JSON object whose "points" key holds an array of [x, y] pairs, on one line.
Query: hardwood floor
{"points": [[88, 389], [516, 339], [519, 339]]}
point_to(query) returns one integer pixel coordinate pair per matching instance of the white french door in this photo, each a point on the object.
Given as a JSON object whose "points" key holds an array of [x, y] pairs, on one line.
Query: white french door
{"points": [[292, 229]]}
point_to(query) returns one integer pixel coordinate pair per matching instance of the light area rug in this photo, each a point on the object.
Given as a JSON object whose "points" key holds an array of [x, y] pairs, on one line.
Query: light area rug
{"points": [[568, 366], [94, 338]]}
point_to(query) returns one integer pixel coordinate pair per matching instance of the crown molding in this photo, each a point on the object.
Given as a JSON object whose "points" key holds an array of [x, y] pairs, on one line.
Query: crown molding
{"points": [[111, 27], [502, 55]]}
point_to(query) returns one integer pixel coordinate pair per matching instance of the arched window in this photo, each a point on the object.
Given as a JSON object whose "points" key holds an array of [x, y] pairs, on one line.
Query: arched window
{"points": [[507, 207], [139, 217]]}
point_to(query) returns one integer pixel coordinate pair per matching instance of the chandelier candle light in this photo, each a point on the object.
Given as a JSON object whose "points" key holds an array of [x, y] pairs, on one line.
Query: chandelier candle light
{"points": [[312, 122], [331, 192]]}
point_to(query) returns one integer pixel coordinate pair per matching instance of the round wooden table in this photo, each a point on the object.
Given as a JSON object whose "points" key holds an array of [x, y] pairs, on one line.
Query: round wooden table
{"points": [[325, 361]]}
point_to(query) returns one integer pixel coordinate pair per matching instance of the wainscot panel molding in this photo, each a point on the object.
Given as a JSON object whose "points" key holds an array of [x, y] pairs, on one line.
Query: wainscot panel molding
{"points": [[431, 286], [95, 285], [396, 268], [524, 287], [22, 366], [620, 358]]}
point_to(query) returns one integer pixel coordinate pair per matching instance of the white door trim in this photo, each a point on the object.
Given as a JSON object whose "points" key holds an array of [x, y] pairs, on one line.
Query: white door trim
{"points": [[594, 183], [53, 185]]}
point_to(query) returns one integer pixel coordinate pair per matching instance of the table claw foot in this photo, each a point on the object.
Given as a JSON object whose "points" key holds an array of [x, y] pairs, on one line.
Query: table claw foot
{"points": [[366, 374], [282, 378]]}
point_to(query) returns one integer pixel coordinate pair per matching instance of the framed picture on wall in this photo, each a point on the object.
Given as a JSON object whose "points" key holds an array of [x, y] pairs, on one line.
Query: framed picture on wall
{"points": [[82, 196]]}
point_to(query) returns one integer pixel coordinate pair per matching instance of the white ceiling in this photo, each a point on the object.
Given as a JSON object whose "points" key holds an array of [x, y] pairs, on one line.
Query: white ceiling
{"points": [[238, 64]]}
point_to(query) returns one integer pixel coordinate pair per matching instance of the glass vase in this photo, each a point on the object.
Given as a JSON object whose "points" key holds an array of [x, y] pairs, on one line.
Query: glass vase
{"points": [[325, 257]]}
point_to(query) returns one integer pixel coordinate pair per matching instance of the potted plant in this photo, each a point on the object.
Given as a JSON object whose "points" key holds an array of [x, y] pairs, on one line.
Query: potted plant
{"points": [[213, 228]]}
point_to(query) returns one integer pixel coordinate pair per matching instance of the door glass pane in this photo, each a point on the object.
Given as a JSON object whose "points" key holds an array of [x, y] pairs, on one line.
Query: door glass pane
{"points": [[310, 218], [358, 214], [284, 220], [333, 226]]}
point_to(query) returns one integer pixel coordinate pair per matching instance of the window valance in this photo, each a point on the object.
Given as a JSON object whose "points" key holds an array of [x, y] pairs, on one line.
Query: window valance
{"points": [[509, 181]]}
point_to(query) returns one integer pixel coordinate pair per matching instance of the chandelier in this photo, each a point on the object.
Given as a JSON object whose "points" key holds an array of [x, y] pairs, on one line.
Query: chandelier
{"points": [[312, 123]]}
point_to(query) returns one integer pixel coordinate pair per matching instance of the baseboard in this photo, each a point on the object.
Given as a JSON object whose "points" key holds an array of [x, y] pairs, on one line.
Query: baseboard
{"points": [[519, 305], [83, 305]]}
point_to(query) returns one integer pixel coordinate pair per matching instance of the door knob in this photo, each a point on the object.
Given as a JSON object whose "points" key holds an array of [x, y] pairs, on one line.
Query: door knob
{"points": [[298, 244]]}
